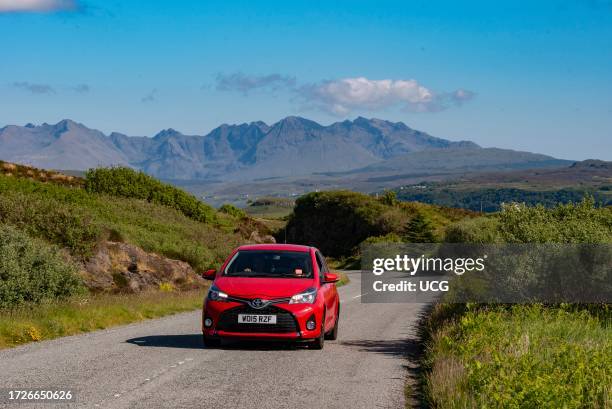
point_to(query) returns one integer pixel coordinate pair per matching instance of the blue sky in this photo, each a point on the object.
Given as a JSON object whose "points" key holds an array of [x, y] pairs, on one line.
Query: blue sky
{"points": [[528, 75]]}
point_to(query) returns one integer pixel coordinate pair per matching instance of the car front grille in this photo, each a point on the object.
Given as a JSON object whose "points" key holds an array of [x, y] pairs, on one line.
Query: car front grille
{"points": [[285, 321]]}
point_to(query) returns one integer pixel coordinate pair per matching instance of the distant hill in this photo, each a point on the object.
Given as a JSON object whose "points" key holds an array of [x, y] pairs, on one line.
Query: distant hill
{"points": [[65, 145], [486, 191], [458, 160], [293, 146]]}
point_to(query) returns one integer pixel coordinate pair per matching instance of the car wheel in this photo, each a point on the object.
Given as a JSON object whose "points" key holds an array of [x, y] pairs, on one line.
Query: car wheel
{"points": [[211, 342], [333, 334], [320, 341]]}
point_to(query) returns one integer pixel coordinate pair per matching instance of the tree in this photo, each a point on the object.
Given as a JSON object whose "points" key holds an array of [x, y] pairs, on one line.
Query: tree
{"points": [[419, 230], [389, 198]]}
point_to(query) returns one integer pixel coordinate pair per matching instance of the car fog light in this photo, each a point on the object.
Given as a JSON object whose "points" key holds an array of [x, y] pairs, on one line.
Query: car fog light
{"points": [[311, 324], [207, 322]]}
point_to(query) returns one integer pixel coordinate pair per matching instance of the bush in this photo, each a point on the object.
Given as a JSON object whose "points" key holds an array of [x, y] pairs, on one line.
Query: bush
{"points": [[481, 230], [338, 221], [570, 223], [32, 271], [335, 222], [50, 219], [517, 223], [387, 238], [233, 211], [126, 182]]}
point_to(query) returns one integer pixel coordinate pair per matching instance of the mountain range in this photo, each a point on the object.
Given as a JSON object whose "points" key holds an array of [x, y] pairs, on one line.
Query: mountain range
{"points": [[291, 147]]}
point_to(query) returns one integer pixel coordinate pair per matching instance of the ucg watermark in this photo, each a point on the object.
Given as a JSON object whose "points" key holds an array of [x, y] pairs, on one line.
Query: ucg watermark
{"points": [[486, 273]]}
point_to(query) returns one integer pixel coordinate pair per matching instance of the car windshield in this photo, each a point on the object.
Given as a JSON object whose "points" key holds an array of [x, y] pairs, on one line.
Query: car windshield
{"points": [[264, 263]]}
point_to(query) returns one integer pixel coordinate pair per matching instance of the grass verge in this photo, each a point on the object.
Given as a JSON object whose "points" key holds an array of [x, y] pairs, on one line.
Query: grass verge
{"points": [[517, 357], [78, 315]]}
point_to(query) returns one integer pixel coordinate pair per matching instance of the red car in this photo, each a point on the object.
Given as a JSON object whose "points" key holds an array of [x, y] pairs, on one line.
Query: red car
{"points": [[272, 291]]}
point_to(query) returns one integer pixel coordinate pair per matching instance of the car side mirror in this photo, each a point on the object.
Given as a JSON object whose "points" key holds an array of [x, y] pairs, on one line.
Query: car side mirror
{"points": [[209, 274], [331, 278]]}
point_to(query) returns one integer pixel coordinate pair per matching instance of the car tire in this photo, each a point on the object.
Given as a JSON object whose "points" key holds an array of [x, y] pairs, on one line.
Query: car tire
{"points": [[319, 342], [333, 334], [211, 342]]}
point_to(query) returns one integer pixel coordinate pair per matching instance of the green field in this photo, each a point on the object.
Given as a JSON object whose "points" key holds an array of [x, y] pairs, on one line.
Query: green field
{"points": [[270, 207]]}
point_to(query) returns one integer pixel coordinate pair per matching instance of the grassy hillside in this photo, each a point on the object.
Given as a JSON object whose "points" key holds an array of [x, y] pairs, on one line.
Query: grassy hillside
{"points": [[41, 175], [77, 220], [52, 226]]}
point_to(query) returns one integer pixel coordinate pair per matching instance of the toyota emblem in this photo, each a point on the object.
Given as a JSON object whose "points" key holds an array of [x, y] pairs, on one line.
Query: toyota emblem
{"points": [[258, 303]]}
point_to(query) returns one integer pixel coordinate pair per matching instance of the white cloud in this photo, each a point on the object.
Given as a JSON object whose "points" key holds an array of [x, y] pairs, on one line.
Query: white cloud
{"points": [[35, 6], [342, 96]]}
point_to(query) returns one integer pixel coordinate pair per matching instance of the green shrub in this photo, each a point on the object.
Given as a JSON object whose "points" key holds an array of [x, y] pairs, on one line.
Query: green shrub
{"points": [[517, 223], [389, 198], [387, 238], [233, 211], [32, 271], [336, 221], [50, 219], [126, 182], [570, 223], [480, 230]]}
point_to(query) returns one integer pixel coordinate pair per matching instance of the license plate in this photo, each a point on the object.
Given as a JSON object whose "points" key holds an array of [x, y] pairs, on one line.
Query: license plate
{"points": [[256, 319]]}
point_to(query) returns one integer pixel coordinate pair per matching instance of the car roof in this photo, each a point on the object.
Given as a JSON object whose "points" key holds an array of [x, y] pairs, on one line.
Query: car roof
{"points": [[276, 247]]}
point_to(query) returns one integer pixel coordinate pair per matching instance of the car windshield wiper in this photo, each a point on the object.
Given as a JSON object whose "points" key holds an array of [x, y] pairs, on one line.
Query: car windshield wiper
{"points": [[292, 275], [261, 274], [246, 274]]}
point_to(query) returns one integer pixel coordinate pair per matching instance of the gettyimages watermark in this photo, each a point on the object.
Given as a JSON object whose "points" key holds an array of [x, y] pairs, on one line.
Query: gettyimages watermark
{"points": [[486, 273]]}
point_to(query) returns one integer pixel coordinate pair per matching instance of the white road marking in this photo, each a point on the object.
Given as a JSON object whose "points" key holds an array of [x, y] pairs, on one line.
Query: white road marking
{"points": [[360, 295]]}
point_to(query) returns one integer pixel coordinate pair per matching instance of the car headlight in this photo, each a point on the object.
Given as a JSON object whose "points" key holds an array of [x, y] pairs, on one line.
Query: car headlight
{"points": [[306, 297], [214, 294]]}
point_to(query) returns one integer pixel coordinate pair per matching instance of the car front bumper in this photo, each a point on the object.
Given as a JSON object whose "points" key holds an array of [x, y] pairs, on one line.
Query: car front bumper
{"points": [[221, 312]]}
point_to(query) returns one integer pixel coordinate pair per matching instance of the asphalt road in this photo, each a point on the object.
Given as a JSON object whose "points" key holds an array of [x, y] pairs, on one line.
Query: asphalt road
{"points": [[162, 364]]}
